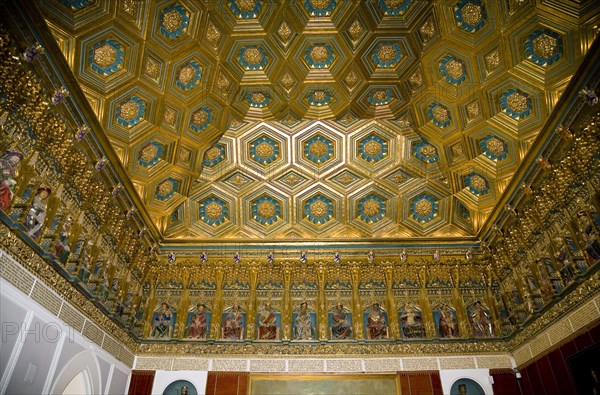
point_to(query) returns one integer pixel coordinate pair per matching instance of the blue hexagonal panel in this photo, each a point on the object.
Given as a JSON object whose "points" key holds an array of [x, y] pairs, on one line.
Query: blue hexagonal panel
{"points": [[149, 154], [319, 8], [106, 57], [494, 147], [515, 103], [453, 70], [424, 207], [544, 47], [371, 209], [318, 209], [373, 148], [174, 21], [425, 152], [215, 155], [439, 115], [131, 111], [166, 189], [213, 211], [266, 210], [318, 149], [265, 150], [386, 55], [477, 184], [394, 8], [470, 15], [244, 9], [201, 118]]}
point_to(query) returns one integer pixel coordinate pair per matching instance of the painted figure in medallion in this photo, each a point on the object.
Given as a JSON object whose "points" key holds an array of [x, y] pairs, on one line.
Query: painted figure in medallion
{"points": [[37, 213], [376, 323], [480, 321], [303, 328], [411, 322], [197, 328], [8, 166], [341, 327], [162, 326], [233, 323], [267, 323]]}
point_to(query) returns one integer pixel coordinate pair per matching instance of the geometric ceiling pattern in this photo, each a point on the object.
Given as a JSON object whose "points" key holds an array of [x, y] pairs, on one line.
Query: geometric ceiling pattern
{"points": [[338, 120]]}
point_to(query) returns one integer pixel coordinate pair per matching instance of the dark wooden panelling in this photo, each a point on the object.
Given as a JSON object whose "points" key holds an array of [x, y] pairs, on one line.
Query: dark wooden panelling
{"points": [[551, 374], [227, 383], [420, 383], [141, 382], [505, 382]]}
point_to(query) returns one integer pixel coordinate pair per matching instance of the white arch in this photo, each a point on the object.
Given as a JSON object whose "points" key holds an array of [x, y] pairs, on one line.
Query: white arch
{"points": [[85, 362], [80, 384]]}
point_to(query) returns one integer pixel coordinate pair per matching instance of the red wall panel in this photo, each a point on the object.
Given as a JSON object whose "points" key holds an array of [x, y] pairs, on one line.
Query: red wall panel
{"points": [[227, 383], [420, 383], [141, 382], [505, 382], [548, 376], [552, 374], [560, 370]]}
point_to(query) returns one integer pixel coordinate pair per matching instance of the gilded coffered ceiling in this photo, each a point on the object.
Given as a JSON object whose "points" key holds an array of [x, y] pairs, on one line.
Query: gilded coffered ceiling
{"points": [[321, 119]]}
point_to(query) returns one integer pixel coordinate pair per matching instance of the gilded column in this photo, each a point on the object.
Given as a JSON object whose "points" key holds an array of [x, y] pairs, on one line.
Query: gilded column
{"points": [[459, 304], [149, 309], [184, 304], [427, 309], [286, 311], [322, 303], [215, 330], [26, 173], [391, 302], [254, 267], [356, 305]]}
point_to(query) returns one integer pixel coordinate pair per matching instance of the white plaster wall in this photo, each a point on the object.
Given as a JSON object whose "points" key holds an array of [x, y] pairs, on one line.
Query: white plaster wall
{"points": [[163, 378], [38, 349], [480, 376]]}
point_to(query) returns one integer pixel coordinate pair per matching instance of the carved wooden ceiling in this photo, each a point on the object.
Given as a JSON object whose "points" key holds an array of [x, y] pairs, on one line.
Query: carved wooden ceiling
{"points": [[321, 119]]}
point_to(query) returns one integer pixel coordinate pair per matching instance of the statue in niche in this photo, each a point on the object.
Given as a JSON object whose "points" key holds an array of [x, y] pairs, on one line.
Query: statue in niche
{"points": [[37, 213], [8, 167], [162, 324], [446, 322], [84, 270], [103, 290], [62, 248], [303, 324], [233, 323], [480, 320], [340, 323], [268, 327], [198, 322], [551, 283], [567, 272], [411, 321], [377, 328], [592, 246], [531, 283]]}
